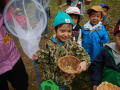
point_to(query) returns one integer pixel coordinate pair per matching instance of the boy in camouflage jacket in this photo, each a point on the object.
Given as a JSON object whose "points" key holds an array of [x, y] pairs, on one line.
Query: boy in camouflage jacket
{"points": [[58, 46]]}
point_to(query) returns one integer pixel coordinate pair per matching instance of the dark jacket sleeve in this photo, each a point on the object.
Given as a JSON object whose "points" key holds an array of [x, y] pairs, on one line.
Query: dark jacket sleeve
{"points": [[96, 68]]}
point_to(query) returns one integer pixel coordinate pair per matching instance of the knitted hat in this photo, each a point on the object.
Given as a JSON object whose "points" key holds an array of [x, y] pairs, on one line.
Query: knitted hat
{"points": [[117, 27], [62, 18], [73, 10]]}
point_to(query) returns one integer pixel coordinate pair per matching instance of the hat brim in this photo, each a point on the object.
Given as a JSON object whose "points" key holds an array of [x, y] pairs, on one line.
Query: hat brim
{"points": [[89, 10], [97, 9]]}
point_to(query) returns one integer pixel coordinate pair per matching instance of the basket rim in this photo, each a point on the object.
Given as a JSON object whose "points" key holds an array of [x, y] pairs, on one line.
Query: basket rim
{"points": [[105, 83], [64, 69]]}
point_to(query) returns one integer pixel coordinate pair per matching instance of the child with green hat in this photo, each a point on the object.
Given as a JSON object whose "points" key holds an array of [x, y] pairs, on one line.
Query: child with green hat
{"points": [[58, 46]]}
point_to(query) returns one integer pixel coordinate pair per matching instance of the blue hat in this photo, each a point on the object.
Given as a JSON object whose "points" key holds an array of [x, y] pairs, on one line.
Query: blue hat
{"points": [[62, 18], [104, 6]]}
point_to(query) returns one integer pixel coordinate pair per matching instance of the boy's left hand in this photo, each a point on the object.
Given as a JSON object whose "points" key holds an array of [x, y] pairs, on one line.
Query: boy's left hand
{"points": [[35, 56], [82, 66]]}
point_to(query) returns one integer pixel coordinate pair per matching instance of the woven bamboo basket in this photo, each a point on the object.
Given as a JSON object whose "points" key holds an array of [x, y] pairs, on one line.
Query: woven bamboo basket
{"points": [[107, 86], [68, 64]]}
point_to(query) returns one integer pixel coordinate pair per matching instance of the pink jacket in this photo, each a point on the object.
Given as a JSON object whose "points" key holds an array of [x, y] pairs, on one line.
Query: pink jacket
{"points": [[9, 54]]}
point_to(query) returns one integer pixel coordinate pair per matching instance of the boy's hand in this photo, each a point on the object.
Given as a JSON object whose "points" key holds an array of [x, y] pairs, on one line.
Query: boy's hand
{"points": [[82, 67], [34, 57], [94, 87]]}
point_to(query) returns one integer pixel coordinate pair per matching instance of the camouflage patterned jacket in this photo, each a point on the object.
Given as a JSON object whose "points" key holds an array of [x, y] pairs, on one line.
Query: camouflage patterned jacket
{"points": [[52, 52]]}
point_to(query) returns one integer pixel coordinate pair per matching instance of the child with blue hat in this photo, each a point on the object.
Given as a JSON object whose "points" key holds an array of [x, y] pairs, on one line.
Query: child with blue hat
{"points": [[104, 6], [105, 20], [58, 46]]}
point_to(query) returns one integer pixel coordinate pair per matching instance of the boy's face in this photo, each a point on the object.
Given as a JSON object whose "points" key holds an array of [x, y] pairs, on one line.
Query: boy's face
{"points": [[106, 11], [64, 32], [117, 40], [95, 18], [74, 18]]}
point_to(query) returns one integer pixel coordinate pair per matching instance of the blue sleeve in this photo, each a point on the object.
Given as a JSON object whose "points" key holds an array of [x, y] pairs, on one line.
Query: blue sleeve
{"points": [[96, 68], [82, 29], [86, 42], [105, 37]]}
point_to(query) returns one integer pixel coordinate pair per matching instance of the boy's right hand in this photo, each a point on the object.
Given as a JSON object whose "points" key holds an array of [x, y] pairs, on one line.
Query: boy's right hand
{"points": [[82, 67], [94, 87], [35, 56]]}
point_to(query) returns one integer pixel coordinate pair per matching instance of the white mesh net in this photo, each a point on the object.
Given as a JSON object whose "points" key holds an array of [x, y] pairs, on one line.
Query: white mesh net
{"points": [[26, 19], [45, 3]]}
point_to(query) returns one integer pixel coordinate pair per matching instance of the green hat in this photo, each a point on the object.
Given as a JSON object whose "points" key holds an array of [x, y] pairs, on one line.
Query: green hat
{"points": [[62, 18]]}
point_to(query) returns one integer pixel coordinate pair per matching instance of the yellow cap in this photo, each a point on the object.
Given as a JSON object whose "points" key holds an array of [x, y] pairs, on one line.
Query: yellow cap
{"points": [[96, 8]]}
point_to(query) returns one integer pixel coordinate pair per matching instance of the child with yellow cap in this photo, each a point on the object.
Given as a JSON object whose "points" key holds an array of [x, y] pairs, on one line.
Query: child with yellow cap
{"points": [[94, 34]]}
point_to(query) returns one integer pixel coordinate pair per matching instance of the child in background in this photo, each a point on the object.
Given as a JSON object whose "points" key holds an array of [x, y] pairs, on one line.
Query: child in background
{"points": [[80, 4], [74, 13], [11, 66], [58, 46], [105, 20], [18, 13], [47, 9], [94, 34], [106, 66]]}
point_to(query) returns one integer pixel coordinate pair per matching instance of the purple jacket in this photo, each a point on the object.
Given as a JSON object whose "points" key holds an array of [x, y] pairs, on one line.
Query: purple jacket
{"points": [[9, 54]]}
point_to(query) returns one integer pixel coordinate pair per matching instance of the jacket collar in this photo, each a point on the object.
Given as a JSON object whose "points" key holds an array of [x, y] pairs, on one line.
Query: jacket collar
{"points": [[55, 41], [112, 46], [88, 26]]}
